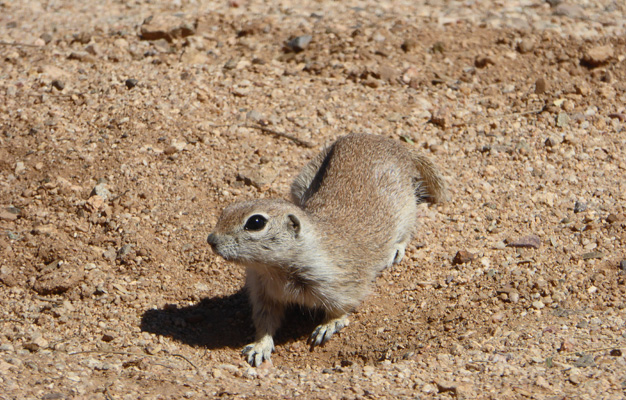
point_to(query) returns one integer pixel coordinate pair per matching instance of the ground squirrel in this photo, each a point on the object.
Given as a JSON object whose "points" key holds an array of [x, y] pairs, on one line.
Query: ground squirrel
{"points": [[352, 213]]}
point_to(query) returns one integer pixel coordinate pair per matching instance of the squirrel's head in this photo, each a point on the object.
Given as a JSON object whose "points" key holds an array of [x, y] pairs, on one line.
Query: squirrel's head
{"points": [[259, 232]]}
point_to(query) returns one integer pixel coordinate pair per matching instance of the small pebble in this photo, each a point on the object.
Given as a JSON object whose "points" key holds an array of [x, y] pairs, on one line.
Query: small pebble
{"points": [[591, 255], [57, 84], [101, 190], [579, 207], [562, 120], [586, 360], [612, 218], [553, 141], [530, 241], [131, 83], [462, 257], [408, 45], [299, 43], [597, 56], [526, 46], [541, 86]]}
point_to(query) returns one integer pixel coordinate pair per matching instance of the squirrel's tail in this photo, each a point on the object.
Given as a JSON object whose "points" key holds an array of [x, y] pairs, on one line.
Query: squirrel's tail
{"points": [[430, 185]]}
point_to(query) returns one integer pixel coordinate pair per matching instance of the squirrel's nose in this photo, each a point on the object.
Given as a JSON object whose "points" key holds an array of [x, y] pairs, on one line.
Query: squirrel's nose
{"points": [[212, 240]]}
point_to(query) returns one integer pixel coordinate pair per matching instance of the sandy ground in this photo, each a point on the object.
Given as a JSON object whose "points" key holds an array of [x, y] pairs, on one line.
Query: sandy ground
{"points": [[125, 128]]}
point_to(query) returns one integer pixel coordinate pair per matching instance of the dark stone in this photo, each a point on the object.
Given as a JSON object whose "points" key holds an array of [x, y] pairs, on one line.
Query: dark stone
{"points": [[579, 207], [299, 43], [131, 83]]}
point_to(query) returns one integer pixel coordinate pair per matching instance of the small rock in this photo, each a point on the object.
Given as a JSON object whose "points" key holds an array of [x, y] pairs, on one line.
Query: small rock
{"points": [[53, 396], [175, 147], [526, 46], [597, 56], [612, 218], [169, 150], [538, 304], [438, 47], [7, 215], [568, 10], [36, 343], [574, 376], [429, 388], [514, 297], [530, 241], [46, 37], [168, 27], [615, 353], [460, 390], [299, 43], [408, 45], [92, 49], [81, 56], [57, 84], [108, 337], [412, 74], [387, 73], [595, 321], [47, 229], [582, 324], [567, 345], [102, 191], [440, 117], [110, 254], [586, 360], [592, 255], [579, 207], [255, 116], [483, 61], [562, 119], [462, 257], [543, 383], [261, 177], [6, 347], [497, 317], [622, 265], [553, 141], [13, 236], [541, 86], [620, 116], [153, 349], [131, 83], [94, 203], [124, 251], [19, 167], [82, 37]]}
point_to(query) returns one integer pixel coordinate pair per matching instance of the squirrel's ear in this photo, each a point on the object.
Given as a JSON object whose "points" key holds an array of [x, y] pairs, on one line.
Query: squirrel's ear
{"points": [[294, 224]]}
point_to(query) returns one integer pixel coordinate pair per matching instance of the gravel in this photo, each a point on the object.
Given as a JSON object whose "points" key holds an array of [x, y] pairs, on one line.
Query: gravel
{"points": [[115, 293]]}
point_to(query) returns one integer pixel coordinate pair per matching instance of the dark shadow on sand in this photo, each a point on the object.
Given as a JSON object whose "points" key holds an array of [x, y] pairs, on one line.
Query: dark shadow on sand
{"points": [[220, 322]]}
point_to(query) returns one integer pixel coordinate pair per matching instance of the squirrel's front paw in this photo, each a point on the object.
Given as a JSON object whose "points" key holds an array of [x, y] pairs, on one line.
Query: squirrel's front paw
{"points": [[323, 332], [259, 351]]}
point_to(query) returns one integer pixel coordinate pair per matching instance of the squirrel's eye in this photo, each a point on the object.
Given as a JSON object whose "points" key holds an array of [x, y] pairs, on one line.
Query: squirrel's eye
{"points": [[255, 223]]}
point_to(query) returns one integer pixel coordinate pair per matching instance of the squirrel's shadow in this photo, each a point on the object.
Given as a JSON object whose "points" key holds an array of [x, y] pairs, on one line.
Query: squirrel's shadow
{"points": [[226, 321]]}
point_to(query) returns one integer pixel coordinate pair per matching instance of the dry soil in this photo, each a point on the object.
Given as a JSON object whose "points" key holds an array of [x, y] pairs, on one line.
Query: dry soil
{"points": [[126, 126]]}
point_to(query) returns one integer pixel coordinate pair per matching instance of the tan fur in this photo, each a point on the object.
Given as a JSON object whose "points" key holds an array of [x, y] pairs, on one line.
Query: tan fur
{"points": [[353, 212]]}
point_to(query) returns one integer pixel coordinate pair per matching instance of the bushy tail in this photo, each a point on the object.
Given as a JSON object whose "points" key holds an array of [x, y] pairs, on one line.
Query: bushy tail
{"points": [[430, 185]]}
